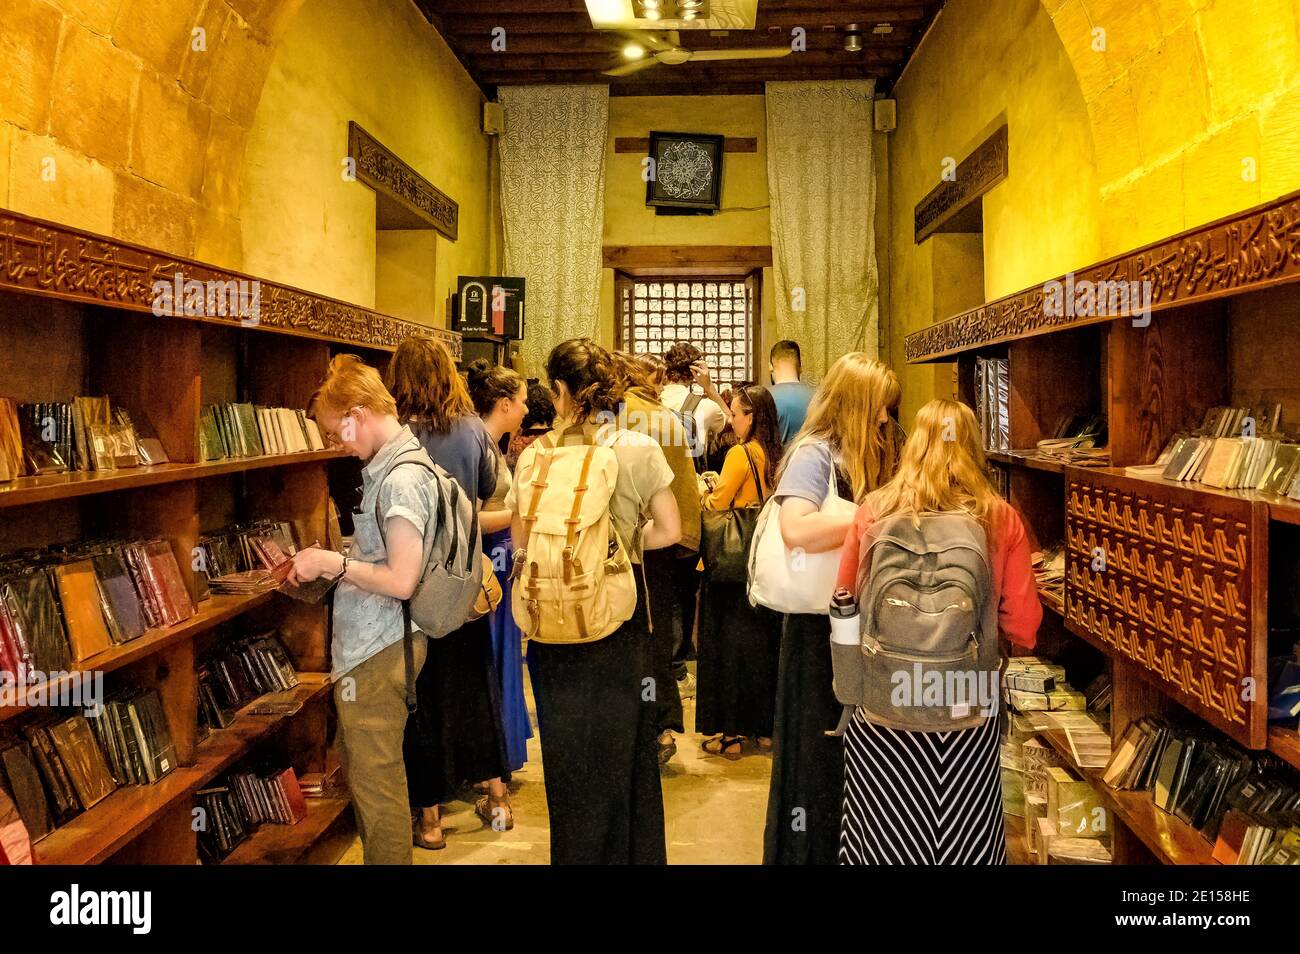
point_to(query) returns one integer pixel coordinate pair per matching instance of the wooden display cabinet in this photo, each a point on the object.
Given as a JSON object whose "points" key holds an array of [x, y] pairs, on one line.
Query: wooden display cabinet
{"points": [[75, 319], [1181, 615]]}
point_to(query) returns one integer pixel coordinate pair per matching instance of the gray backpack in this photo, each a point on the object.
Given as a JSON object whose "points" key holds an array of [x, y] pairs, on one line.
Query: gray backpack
{"points": [[453, 564], [927, 658]]}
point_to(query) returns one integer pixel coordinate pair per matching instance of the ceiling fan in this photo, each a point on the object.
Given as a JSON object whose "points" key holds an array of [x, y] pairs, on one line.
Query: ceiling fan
{"points": [[668, 50]]}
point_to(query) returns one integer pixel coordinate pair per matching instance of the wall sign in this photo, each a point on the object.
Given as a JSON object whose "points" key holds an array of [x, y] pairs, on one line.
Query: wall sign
{"points": [[687, 171]]}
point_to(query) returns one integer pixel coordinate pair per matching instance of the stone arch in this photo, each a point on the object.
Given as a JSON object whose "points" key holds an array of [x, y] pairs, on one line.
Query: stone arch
{"points": [[1194, 107], [129, 117]]}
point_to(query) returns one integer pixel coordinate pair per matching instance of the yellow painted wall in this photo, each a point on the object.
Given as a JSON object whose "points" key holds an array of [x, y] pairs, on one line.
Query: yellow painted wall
{"points": [[129, 117], [1129, 120], [976, 66], [381, 64]]}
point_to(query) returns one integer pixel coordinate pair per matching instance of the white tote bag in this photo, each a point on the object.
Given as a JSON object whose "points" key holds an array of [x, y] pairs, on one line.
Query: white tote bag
{"points": [[792, 581]]}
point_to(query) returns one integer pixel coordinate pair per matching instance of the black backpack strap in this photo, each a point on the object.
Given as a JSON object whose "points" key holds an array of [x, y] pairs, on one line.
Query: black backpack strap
{"points": [[753, 469], [692, 402], [408, 658]]}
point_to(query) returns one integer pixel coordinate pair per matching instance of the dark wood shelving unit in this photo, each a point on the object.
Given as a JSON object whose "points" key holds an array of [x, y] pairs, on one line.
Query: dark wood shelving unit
{"points": [[95, 835], [32, 490], [1181, 614], [77, 318]]}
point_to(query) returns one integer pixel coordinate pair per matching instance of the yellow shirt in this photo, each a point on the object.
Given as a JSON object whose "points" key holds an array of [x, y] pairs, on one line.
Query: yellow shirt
{"points": [[735, 486]]}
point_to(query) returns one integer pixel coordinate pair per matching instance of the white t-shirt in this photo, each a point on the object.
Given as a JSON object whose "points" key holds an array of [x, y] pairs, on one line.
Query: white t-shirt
{"points": [[709, 419]]}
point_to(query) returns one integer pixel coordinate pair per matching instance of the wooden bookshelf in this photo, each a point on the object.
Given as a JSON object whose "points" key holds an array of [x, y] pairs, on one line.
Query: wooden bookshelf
{"points": [[1180, 615], [289, 844], [95, 835], [77, 317], [212, 612], [33, 490]]}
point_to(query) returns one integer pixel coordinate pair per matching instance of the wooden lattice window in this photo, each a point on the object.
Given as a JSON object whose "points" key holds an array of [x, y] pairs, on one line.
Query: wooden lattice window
{"points": [[717, 315]]}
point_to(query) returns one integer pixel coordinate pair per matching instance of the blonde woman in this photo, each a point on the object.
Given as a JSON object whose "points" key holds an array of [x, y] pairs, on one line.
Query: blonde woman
{"points": [[848, 438], [356, 413], [936, 797]]}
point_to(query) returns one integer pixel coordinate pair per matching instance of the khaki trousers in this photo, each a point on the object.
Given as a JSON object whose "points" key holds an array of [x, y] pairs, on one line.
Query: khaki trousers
{"points": [[371, 703]]}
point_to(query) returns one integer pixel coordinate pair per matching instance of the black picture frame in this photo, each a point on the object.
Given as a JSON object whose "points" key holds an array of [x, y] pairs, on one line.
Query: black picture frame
{"points": [[662, 192]]}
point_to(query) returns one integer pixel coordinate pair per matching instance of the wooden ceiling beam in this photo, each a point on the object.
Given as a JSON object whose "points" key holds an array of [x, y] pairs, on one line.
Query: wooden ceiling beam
{"points": [[593, 42], [574, 23], [702, 83], [500, 62]]}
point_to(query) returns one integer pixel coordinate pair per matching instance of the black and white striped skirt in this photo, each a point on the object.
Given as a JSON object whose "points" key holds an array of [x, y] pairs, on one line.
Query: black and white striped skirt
{"points": [[922, 798]]}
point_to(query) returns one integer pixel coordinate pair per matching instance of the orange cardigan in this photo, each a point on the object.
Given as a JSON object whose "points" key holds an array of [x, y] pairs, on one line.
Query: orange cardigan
{"points": [[1019, 610]]}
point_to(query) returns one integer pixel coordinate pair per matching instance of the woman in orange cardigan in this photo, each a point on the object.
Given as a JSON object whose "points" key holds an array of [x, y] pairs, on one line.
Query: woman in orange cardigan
{"points": [[936, 797], [740, 645]]}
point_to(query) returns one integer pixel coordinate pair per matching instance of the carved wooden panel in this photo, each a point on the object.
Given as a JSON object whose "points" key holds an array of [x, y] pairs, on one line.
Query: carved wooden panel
{"points": [[984, 168], [1163, 576], [419, 203], [1253, 249], [57, 261]]}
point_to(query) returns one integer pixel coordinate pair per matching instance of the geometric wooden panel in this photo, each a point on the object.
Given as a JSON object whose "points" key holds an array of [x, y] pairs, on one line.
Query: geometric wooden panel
{"points": [[1175, 594]]}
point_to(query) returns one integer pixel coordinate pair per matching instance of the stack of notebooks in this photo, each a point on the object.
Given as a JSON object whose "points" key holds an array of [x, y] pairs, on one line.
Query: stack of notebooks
{"points": [[1049, 573], [1218, 454], [232, 808], [240, 672], [1079, 440], [222, 829], [67, 605], [85, 434], [246, 430], [33, 640], [1203, 781], [255, 559], [61, 767], [1039, 685], [992, 398]]}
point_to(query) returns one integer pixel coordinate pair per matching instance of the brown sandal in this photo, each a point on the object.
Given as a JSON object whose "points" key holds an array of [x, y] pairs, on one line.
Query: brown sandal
{"points": [[495, 812], [721, 744], [423, 839]]}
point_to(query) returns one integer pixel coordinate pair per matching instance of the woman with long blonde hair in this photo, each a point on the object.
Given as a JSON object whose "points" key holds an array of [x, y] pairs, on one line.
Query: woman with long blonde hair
{"points": [[913, 797], [849, 445]]}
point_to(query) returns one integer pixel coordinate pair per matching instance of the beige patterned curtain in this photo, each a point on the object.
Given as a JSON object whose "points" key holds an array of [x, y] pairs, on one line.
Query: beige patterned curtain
{"points": [[821, 177], [553, 206]]}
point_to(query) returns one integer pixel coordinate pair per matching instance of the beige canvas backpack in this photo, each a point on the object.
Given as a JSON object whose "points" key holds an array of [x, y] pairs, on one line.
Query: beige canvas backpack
{"points": [[573, 576]]}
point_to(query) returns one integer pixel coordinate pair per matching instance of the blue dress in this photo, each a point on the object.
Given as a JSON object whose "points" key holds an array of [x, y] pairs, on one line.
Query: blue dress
{"points": [[507, 650]]}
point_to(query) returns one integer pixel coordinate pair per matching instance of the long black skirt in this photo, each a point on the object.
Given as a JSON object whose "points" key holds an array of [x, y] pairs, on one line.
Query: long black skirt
{"points": [[455, 735], [806, 796], [665, 636], [740, 649], [596, 716], [922, 798]]}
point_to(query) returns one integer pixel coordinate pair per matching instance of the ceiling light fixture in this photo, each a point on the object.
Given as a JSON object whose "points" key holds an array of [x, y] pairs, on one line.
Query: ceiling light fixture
{"points": [[853, 38], [634, 51]]}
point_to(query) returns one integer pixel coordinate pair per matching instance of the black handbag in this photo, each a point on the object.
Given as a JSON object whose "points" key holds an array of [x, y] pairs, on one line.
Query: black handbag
{"points": [[725, 536]]}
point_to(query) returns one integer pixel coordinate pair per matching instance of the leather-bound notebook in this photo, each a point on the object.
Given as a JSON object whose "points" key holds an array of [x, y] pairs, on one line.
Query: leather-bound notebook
{"points": [[24, 784], [175, 595], [15, 843], [77, 747], [88, 633], [122, 609], [152, 734], [31, 598], [288, 784], [63, 795]]}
